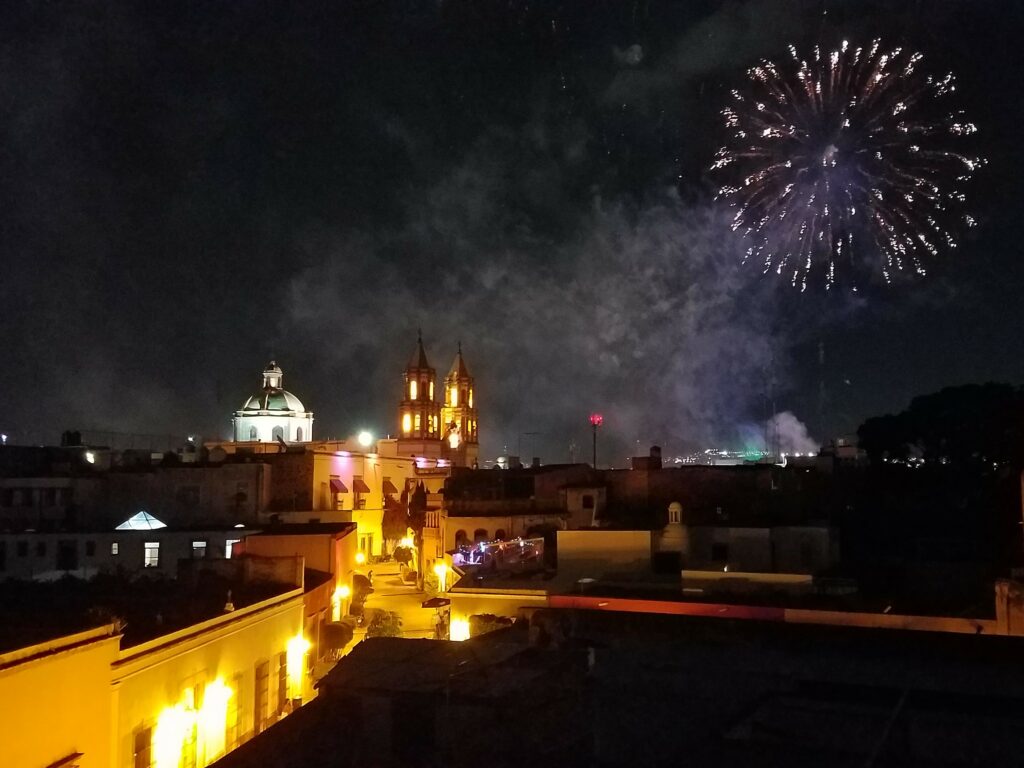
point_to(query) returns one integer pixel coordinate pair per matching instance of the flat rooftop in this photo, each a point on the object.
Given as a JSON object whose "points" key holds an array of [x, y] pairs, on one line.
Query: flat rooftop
{"points": [[34, 612]]}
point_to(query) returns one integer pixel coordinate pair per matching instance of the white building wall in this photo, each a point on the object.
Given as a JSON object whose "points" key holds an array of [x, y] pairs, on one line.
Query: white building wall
{"points": [[265, 424]]}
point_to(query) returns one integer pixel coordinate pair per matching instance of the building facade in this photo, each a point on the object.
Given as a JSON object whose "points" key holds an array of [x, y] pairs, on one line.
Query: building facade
{"points": [[273, 414]]}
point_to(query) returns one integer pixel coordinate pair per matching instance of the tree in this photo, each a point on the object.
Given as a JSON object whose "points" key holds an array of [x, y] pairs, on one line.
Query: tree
{"points": [[403, 555], [395, 521], [977, 425], [385, 624]]}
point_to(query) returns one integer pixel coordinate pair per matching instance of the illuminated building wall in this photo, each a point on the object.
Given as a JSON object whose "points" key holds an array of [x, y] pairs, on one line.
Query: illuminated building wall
{"points": [[191, 695], [56, 701]]}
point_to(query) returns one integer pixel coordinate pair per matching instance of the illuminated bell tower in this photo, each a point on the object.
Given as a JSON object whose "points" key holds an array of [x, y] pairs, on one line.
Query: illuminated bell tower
{"points": [[419, 413], [458, 415]]}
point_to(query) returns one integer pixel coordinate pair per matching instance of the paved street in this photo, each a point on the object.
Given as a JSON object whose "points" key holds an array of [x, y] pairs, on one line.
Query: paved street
{"points": [[390, 594]]}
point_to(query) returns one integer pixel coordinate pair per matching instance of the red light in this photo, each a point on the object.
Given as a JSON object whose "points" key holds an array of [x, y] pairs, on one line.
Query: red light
{"points": [[596, 419]]}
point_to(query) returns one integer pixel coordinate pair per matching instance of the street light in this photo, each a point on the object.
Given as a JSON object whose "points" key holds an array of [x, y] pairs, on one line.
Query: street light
{"points": [[596, 420], [441, 570], [365, 439]]}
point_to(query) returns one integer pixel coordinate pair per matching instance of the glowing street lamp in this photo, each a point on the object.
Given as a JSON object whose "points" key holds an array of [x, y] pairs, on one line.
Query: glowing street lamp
{"points": [[360, 558], [365, 439], [596, 420], [441, 570]]}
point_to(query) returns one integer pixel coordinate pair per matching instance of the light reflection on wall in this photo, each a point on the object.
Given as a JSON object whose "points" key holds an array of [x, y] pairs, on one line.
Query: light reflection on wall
{"points": [[297, 648], [458, 629], [181, 726]]}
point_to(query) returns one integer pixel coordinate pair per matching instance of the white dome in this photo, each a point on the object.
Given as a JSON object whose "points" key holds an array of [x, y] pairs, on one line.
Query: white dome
{"points": [[274, 400]]}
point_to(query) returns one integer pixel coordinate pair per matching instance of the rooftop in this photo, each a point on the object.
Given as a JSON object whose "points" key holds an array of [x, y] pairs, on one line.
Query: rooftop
{"points": [[147, 606]]}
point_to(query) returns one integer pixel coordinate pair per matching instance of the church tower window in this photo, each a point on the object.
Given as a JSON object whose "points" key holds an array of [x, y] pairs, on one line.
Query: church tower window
{"points": [[253, 434], [406, 423], [455, 396], [412, 390]]}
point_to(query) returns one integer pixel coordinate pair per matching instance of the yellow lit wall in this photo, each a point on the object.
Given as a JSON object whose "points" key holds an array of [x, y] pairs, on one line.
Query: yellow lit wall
{"points": [[186, 686], [56, 701]]}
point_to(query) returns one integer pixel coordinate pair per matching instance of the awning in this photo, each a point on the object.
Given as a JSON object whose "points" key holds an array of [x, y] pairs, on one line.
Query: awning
{"points": [[337, 486], [389, 487], [359, 486]]}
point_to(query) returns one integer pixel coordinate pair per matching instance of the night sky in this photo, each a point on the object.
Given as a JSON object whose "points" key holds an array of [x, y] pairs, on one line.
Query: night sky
{"points": [[191, 189]]}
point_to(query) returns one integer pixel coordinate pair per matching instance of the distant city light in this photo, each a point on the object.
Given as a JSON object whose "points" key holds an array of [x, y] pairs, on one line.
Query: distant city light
{"points": [[365, 439], [90, 457]]}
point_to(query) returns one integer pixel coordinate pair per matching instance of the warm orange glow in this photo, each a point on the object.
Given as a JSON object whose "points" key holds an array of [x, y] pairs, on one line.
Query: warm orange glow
{"points": [[341, 594], [296, 651], [431, 390], [412, 390], [458, 630], [212, 720], [454, 439], [441, 571], [455, 395], [406, 423], [360, 558], [173, 726], [470, 398]]}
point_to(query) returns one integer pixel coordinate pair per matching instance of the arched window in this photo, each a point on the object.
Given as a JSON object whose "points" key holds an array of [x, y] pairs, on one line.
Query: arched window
{"points": [[298, 434], [499, 535], [460, 537], [480, 534], [278, 433], [253, 434]]}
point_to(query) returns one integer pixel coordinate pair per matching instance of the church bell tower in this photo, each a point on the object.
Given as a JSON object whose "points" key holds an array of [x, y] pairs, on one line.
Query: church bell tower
{"points": [[458, 415], [419, 413]]}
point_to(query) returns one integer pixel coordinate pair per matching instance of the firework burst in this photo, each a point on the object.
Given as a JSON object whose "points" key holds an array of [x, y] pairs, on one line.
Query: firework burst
{"points": [[844, 166]]}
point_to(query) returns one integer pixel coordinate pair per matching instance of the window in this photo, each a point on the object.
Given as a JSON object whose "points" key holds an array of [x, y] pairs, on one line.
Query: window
{"points": [[40, 549], [417, 423], [480, 534], [228, 545], [282, 682], [253, 434], [278, 433], [471, 398], [455, 396], [198, 550], [588, 501], [720, 552], [151, 554], [22, 549], [406, 423], [432, 391], [298, 434], [460, 537], [499, 535], [143, 748], [262, 685], [90, 549], [113, 547], [412, 390]]}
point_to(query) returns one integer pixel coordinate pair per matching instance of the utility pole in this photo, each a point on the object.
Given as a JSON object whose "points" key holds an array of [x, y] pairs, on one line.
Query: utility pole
{"points": [[596, 420]]}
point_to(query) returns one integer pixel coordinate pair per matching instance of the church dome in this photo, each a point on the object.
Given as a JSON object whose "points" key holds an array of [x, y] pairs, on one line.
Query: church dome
{"points": [[273, 397], [274, 400]]}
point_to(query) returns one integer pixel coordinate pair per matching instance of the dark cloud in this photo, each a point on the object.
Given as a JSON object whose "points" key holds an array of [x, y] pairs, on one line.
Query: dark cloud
{"points": [[190, 189]]}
